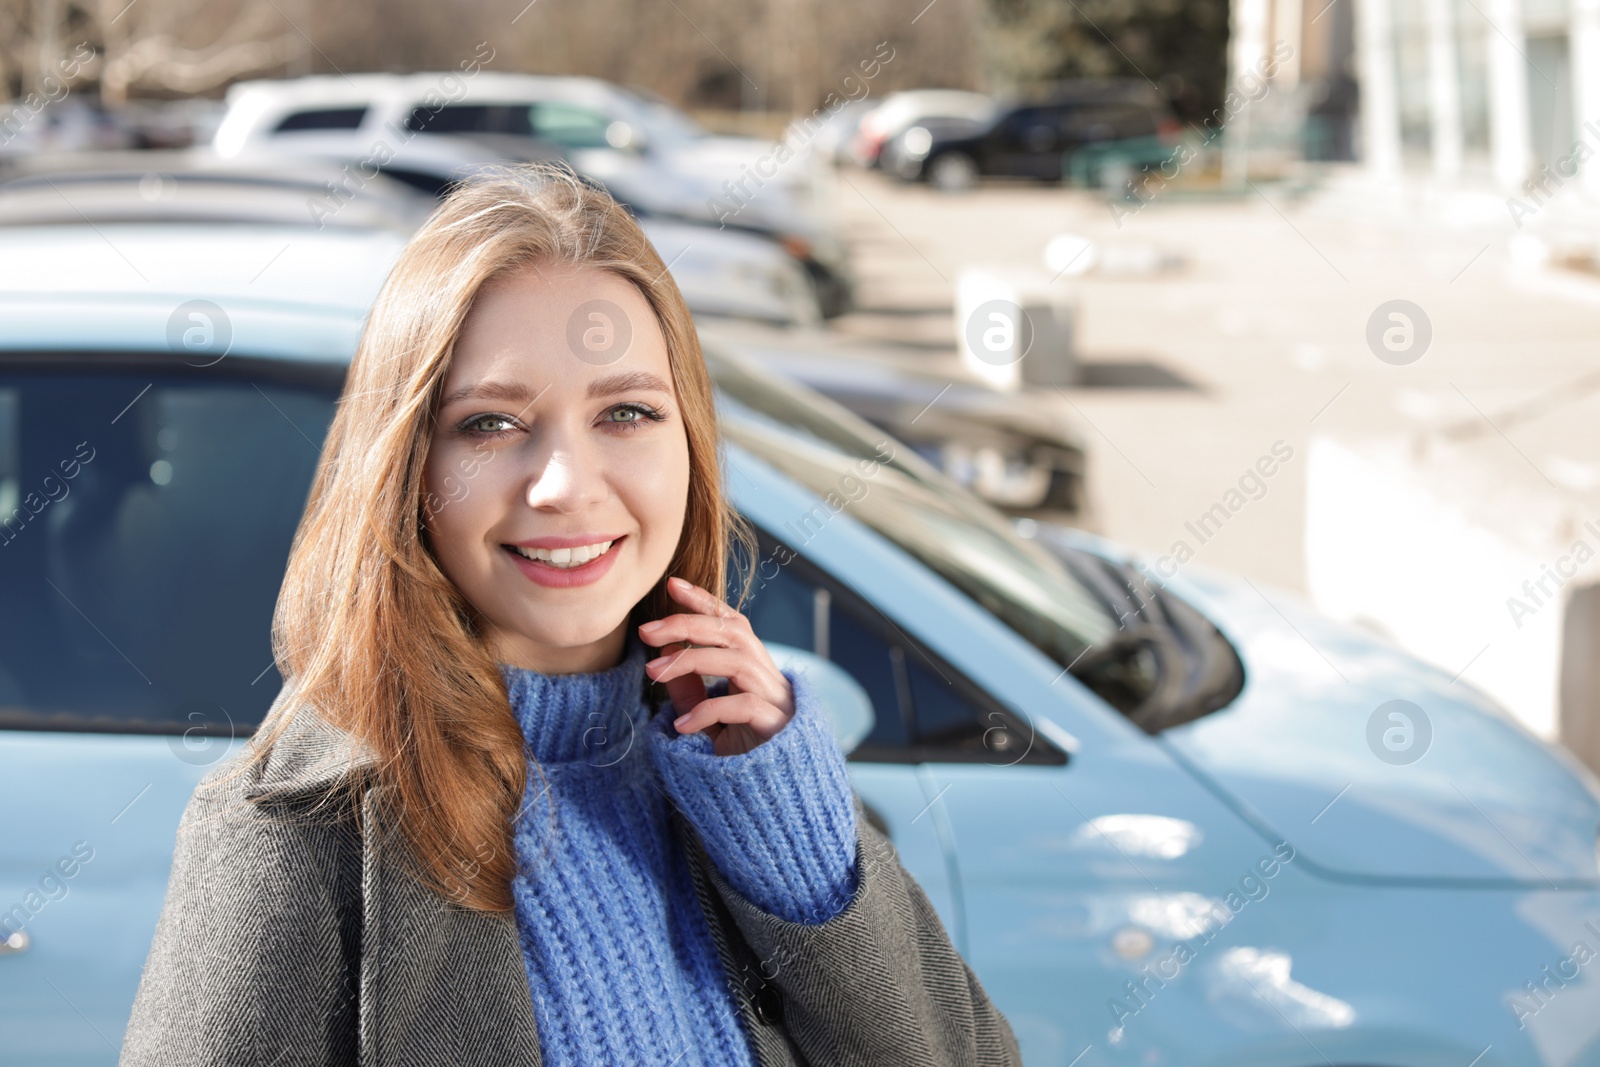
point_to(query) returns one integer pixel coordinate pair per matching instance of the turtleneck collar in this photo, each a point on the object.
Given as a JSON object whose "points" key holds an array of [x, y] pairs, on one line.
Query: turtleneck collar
{"points": [[594, 718]]}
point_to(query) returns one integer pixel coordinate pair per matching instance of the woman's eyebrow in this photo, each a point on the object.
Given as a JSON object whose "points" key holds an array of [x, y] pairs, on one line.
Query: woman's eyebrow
{"points": [[491, 389], [621, 383]]}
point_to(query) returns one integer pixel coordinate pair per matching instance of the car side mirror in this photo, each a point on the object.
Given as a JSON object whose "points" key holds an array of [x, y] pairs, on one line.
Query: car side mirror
{"points": [[846, 704]]}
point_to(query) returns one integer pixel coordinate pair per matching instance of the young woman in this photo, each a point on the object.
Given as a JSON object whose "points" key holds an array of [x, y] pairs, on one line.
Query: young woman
{"points": [[471, 830]]}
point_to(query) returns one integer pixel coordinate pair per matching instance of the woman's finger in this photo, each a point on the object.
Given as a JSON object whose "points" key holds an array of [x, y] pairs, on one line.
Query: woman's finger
{"points": [[747, 709], [743, 672], [692, 596], [687, 692], [724, 631]]}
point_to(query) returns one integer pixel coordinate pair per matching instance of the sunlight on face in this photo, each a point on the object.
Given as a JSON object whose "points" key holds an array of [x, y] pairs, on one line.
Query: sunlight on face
{"points": [[558, 476]]}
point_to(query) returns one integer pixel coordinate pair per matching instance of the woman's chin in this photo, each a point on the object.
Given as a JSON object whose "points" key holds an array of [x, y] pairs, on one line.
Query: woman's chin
{"points": [[599, 642]]}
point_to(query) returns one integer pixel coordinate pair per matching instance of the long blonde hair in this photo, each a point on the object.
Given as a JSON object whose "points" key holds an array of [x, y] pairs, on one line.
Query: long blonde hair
{"points": [[368, 631]]}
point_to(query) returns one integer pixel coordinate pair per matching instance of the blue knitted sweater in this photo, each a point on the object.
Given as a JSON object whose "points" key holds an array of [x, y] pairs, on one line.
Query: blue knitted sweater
{"points": [[620, 961]]}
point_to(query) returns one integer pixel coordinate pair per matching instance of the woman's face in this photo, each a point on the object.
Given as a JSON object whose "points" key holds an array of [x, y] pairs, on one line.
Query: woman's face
{"points": [[558, 477]]}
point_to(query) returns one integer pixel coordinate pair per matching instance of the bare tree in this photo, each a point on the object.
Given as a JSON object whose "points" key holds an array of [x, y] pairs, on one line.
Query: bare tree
{"points": [[763, 55], [184, 46]]}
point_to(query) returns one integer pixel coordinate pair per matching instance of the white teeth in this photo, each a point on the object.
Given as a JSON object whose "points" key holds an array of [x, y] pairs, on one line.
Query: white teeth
{"points": [[566, 558]]}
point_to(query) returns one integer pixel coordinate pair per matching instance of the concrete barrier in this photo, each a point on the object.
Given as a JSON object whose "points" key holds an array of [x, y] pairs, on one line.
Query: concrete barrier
{"points": [[1014, 327]]}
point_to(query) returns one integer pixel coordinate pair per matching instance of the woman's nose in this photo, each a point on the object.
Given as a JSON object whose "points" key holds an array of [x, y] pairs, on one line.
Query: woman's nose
{"points": [[570, 479]]}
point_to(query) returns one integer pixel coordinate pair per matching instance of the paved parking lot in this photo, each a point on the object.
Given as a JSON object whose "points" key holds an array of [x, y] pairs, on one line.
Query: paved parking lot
{"points": [[1192, 375]]}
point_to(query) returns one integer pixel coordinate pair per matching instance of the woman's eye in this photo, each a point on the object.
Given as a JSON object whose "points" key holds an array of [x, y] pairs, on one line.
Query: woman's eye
{"points": [[485, 425], [632, 415]]}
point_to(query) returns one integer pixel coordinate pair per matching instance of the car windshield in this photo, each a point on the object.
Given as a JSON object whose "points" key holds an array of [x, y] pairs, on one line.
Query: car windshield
{"points": [[915, 506]]}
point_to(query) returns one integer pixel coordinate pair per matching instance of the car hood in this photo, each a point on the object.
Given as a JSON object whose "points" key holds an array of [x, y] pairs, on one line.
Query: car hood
{"points": [[1476, 798]]}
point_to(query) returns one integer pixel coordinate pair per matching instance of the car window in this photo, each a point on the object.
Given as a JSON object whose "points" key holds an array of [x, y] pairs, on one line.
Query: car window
{"points": [[924, 710], [146, 514], [322, 118], [570, 126], [566, 125], [472, 118]]}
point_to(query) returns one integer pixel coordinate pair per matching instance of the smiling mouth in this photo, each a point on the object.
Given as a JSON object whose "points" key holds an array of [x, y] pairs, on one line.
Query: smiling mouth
{"points": [[564, 558]]}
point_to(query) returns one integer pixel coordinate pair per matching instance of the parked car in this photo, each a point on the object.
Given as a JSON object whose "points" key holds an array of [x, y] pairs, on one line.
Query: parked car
{"points": [[1079, 131], [902, 110], [1014, 450], [646, 151], [184, 185], [63, 124], [832, 137], [731, 275], [902, 155], [1241, 878], [724, 272], [179, 123]]}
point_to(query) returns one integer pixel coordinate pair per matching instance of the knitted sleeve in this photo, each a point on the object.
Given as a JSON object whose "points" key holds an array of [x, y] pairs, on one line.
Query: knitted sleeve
{"points": [[778, 821]]}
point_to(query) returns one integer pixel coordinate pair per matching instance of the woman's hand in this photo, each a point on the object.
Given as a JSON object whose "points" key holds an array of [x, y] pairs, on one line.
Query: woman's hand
{"points": [[713, 639]]}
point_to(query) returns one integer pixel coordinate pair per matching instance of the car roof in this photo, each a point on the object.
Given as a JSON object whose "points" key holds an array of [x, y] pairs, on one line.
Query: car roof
{"points": [[286, 292], [335, 89], [255, 107], [1074, 92], [252, 102], [155, 196]]}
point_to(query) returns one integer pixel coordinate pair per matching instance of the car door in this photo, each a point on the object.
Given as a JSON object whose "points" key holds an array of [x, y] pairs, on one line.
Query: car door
{"points": [[1024, 144], [924, 712], [146, 512]]}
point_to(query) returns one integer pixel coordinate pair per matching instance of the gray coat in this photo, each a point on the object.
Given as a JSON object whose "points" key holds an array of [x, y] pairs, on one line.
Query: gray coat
{"points": [[286, 939]]}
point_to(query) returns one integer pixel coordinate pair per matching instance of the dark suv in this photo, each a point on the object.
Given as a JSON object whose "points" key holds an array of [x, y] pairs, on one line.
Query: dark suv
{"points": [[1076, 132]]}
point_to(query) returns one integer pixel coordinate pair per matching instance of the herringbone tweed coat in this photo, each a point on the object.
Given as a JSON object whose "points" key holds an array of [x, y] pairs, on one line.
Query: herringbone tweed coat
{"points": [[286, 939]]}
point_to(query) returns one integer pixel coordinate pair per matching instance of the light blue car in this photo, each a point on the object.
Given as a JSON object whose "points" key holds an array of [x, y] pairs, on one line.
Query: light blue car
{"points": [[1181, 826]]}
